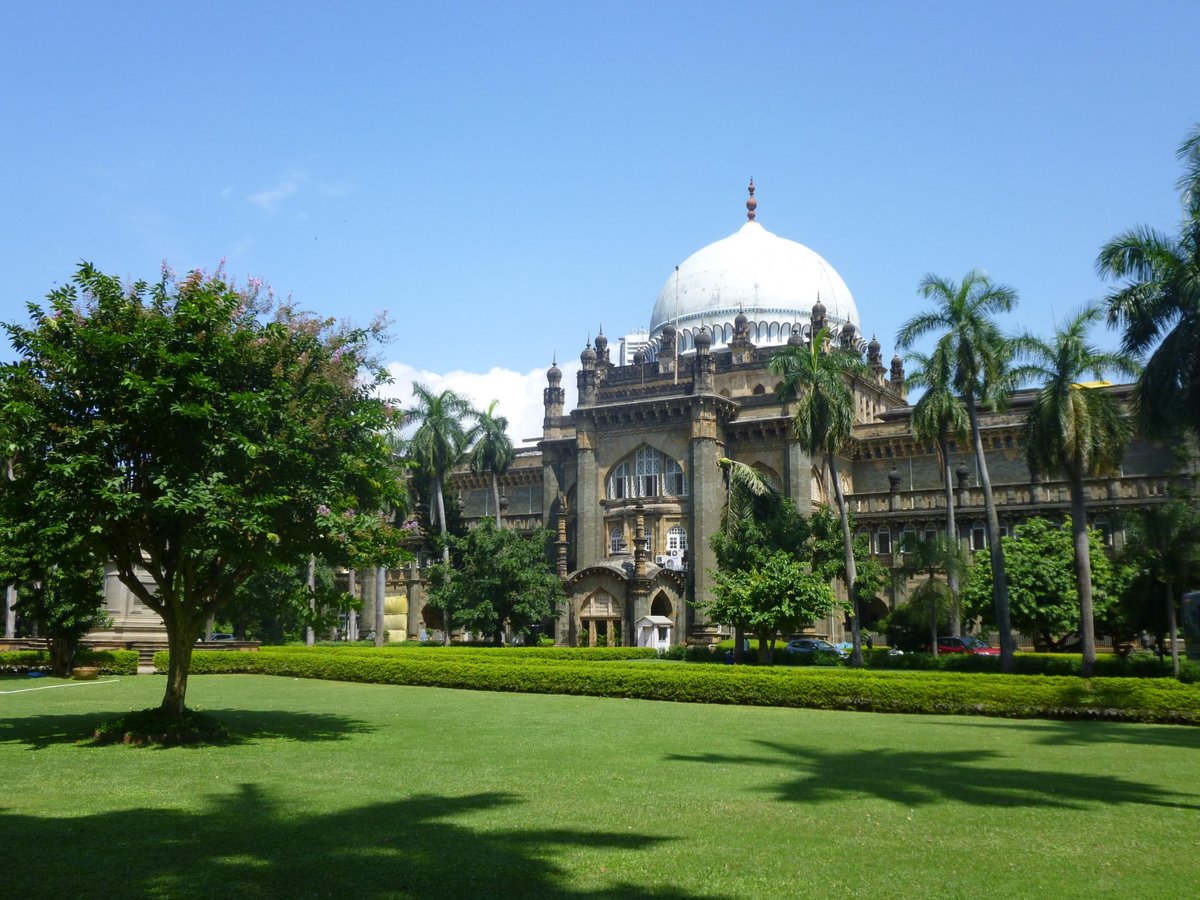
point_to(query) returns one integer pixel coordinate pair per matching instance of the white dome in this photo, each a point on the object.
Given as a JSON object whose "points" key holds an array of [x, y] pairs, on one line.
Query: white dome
{"points": [[774, 281]]}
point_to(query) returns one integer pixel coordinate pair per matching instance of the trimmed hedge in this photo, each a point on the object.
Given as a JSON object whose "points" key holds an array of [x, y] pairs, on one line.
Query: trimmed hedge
{"points": [[110, 662], [483, 654], [1108, 665], [1134, 700]]}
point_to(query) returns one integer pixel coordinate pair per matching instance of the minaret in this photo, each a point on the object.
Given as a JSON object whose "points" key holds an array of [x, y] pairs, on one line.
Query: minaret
{"points": [[553, 396], [705, 366], [586, 380]]}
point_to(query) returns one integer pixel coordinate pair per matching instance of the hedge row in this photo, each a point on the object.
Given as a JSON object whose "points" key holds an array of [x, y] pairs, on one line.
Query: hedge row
{"points": [[840, 689], [482, 654], [110, 662], [1108, 665]]}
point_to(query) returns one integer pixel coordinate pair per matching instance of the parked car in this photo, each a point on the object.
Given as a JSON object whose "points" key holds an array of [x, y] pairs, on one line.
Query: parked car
{"points": [[966, 644], [814, 645], [221, 636]]}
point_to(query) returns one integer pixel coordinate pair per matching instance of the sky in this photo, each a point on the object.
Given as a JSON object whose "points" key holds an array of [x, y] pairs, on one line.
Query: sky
{"points": [[506, 179]]}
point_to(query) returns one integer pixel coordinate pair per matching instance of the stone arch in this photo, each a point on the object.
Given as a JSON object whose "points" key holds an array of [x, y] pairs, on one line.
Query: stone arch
{"points": [[646, 472], [758, 389], [600, 616], [662, 606], [769, 475]]}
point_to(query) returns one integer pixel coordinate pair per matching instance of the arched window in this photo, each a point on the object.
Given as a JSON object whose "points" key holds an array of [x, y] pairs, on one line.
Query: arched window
{"points": [[931, 533], [615, 542], [676, 538], [883, 540], [978, 536], [1106, 531], [908, 538], [648, 544], [650, 473]]}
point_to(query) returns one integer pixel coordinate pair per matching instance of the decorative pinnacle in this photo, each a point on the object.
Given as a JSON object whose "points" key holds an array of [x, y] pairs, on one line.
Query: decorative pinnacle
{"points": [[751, 204]]}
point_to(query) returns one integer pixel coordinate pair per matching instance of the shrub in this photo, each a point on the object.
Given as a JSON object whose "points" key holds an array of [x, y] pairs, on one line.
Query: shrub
{"points": [[1118, 699], [110, 662]]}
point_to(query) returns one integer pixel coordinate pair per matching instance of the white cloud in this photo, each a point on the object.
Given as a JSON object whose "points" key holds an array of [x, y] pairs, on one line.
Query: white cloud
{"points": [[271, 199], [519, 393]]}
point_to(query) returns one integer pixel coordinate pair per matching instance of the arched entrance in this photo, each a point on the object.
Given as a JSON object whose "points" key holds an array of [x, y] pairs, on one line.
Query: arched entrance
{"points": [[600, 621], [661, 605]]}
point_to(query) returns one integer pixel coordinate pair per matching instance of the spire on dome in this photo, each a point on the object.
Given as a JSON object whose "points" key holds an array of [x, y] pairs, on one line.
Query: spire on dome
{"points": [[751, 204]]}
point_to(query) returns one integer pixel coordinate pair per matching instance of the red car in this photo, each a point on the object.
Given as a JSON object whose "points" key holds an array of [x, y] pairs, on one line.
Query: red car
{"points": [[970, 645]]}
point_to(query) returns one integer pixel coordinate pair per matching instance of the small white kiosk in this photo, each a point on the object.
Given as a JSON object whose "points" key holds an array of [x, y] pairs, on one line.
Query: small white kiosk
{"points": [[654, 631]]}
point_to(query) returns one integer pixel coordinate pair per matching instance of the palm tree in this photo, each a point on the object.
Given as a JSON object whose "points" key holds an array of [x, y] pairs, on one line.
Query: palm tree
{"points": [[493, 451], [1165, 540], [1078, 430], [438, 444], [941, 555], [938, 416], [980, 356], [818, 378], [1159, 306]]}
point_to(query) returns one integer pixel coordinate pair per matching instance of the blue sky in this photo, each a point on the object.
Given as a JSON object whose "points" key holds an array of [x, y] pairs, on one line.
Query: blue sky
{"points": [[505, 178]]}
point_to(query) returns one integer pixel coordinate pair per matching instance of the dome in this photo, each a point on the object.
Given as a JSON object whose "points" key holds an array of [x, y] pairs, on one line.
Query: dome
{"points": [[773, 281]]}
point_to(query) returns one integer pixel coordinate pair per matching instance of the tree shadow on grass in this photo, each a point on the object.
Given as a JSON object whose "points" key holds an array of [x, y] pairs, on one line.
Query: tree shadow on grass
{"points": [[39, 732], [246, 845], [924, 777], [1075, 734]]}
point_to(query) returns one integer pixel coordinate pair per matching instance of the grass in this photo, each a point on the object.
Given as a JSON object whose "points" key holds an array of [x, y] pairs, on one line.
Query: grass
{"points": [[351, 790]]}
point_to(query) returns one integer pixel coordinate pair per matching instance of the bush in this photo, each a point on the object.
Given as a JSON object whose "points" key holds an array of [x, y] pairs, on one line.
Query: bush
{"points": [[1108, 665], [1117, 699], [110, 662]]}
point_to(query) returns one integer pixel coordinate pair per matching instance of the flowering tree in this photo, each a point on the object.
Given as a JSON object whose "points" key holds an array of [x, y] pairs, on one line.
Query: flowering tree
{"points": [[197, 432]]}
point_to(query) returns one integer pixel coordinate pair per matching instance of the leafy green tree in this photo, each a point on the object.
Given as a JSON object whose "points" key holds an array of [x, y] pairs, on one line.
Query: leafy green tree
{"points": [[937, 417], [818, 377], [1077, 430], [200, 432], [1043, 589], [492, 451], [963, 317], [776, 593], [502, 579], [1164, 542], [1158, 306], [275, 604]]}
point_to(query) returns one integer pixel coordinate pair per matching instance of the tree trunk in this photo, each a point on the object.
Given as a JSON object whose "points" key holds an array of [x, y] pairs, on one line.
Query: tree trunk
{"points": [[933, 621], [995, 551], [1172, 630], [952, 538], [61, 651], [352, 615], [310, 636], [496, 500], [10, 611], [739, 645], [1083, 575], [380, 591], [181, 639], [766, 649], [441, 513], [856, 655]]}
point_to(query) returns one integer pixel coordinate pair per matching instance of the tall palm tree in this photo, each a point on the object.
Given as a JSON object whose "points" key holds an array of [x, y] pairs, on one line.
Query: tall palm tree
{"points": [[940, 556], [1078, 430], [492, 451], [1165, 541], [438, 444], [1159, 306], [818, 377], [963, 316], [938, 416]]}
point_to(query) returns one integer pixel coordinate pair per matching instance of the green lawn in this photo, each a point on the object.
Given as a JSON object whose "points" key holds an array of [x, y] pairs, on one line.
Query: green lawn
{"points": [[353, 790]]}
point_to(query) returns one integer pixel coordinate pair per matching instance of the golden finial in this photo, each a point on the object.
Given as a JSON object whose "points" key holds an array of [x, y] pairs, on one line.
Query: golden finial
{"points": [[751, 204]]}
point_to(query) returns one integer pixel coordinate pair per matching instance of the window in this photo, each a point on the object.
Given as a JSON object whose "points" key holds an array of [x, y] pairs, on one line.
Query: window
{"points": [[620, 485], [676, 538], [648, 544], [1106, 531], [676, 484], [649, 464], [978, 536], [615, 543], [883, 540], [908, 538], [650, 473], [931, 533]]}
